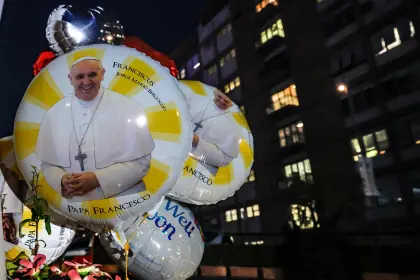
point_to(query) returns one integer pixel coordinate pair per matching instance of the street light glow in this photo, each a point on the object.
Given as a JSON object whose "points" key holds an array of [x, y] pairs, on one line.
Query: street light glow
{"points": [[342, 88]]}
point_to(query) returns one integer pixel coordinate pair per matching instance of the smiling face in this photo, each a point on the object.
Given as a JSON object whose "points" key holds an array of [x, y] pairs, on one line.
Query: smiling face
{"points": [[222, 101], [86, 77]]}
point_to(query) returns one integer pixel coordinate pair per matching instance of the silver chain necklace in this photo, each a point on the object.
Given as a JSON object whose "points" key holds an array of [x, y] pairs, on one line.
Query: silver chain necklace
{"points": [[81, 156], [198, 125]]}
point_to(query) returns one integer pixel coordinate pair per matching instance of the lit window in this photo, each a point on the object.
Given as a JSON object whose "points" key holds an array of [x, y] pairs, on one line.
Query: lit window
{"points": [[231, 215], [286, 97], [212, 70], [397, 37], [237, 82], [242, 210], [374, 143], [251, 177], [232, 85], [225, 30], [356, 146], [304, 216], [182, 73], [222, 62], [275, 29], [253, 211], [229, 56], [300, 169], [227, 88], [382, 139], [291, 135], [264, 3]]}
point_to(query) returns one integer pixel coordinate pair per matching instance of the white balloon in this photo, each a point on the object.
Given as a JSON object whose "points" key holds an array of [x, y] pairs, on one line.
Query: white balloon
{"points": [[202, 183], [168, 245], [53, 245]]}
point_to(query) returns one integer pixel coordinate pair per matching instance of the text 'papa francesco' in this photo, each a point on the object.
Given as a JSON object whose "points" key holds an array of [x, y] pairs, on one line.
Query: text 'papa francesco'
{"points": [[110, 209], [167, 228]]}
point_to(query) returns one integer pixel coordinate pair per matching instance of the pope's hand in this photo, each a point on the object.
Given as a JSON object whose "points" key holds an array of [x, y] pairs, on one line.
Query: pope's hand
{"points": [[66, 186], [82, 183]]}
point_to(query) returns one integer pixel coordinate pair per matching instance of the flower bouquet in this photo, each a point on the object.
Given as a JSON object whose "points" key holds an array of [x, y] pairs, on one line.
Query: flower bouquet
{"points": [[22, 268]]}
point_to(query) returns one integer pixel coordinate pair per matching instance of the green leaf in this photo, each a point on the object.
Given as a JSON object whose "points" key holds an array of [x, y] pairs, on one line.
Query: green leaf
{"points": [[11, 265], [43, 202], [48, 224], [29, 199], [21, 225]]}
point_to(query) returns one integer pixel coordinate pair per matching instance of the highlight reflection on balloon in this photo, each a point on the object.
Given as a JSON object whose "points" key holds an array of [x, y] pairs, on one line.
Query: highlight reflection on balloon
{"points": [[167, 245], [70, 27]]}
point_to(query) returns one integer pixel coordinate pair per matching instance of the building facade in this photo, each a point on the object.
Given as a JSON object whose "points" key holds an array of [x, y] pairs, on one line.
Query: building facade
{"points": [[331, 91]]}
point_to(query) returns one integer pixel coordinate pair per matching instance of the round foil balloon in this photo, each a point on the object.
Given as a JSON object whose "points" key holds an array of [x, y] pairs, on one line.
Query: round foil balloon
{"points": [[168, 245], [70, 27], [51, 245], [108, 130], [222, 154]]}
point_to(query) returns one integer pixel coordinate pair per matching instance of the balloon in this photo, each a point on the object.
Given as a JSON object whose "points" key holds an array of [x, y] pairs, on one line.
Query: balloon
{"points": [[43, 60], [140, 136], [221, 162], [167, 245], [141, 46], [51, 245], [13, 193], [70, 27]]}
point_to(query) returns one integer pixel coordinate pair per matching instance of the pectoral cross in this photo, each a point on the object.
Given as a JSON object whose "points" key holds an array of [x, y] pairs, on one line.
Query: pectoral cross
{"points": [[197, 126], [80, 157]]}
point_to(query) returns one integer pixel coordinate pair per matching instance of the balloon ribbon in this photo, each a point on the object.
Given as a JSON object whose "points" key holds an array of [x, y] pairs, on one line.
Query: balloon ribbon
{"points": [[127, 248]]}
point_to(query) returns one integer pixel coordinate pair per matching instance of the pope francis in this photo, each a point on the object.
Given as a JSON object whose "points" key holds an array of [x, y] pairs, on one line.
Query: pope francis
{"points": [[94, 143], [216, 135]]}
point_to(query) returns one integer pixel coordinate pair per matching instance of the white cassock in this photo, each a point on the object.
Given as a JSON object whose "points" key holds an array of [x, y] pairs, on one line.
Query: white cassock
{"points": [[219, 136], [117, 143]]}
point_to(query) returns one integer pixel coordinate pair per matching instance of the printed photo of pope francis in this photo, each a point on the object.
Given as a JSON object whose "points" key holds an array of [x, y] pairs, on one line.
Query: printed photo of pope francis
{"points": [[94, 143], [216, 134]]}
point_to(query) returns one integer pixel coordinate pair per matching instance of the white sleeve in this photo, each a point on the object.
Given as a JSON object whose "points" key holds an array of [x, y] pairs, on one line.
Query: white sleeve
{"points": [[119, 177], [210, 154], [53, 174]]}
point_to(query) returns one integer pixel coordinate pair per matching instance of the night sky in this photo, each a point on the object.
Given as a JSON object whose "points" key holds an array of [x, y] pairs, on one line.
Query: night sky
{"points": [[22, 37]]}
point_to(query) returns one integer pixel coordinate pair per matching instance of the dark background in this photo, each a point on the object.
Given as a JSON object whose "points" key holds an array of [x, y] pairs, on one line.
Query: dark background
{"points": [[161, 24]]}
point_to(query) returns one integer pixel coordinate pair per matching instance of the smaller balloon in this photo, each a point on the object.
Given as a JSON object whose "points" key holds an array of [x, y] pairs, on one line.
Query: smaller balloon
{"points": [[167, 245], [69, 28], [43, 60], [222, 151], [51, 245]]}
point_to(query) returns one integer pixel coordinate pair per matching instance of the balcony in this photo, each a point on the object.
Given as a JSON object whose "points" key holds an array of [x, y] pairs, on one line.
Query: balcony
{"points": [[273, 72], [269, 46], [363, 117], [395, 53], [285, 111], [402, 102], [341, 35], [380, 11]]}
